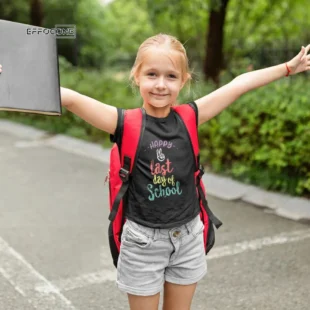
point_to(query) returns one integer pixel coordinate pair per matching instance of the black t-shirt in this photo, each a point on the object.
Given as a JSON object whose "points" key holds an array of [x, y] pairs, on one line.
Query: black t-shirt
{"points": [[162, 191]]}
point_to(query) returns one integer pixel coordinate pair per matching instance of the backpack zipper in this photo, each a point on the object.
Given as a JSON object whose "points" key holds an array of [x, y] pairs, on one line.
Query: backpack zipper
{"points": [[107, 177]]}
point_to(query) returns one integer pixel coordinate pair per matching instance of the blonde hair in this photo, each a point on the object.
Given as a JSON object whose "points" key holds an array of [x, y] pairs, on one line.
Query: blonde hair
{"points": [[165, 40]]}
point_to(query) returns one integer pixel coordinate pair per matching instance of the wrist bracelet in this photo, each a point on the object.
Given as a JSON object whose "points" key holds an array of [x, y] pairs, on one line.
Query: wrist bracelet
{"points": [[288, 70]]}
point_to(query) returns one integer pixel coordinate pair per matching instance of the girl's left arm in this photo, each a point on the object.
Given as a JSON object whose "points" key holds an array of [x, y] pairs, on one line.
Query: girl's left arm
{"points": [[214, 103]]}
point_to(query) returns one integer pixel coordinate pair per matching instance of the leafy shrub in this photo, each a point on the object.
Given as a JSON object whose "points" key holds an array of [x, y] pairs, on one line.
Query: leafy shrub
{"points": [[264, 138]]}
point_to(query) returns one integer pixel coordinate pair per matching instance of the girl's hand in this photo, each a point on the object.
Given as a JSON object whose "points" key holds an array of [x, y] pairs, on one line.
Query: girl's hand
{"points": [[301, 62], [0, 68]]}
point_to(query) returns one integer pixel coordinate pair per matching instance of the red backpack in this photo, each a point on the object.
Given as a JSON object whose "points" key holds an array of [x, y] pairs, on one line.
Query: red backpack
{"points": [[122, 163]]}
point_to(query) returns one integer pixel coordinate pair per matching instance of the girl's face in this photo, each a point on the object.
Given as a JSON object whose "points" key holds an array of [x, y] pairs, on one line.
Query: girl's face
{"points": [[160, 81]]}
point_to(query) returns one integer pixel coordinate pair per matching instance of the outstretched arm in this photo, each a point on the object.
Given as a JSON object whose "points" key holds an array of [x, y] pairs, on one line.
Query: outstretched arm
{"points": [[214, 103], [96, 113]]}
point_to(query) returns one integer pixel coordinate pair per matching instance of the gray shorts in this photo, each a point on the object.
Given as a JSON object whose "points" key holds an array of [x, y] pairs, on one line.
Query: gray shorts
{"points": [[149, 257]]}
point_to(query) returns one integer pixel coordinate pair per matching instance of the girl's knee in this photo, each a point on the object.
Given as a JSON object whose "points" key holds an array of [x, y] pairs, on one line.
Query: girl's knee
{"points": [[137, 302]]}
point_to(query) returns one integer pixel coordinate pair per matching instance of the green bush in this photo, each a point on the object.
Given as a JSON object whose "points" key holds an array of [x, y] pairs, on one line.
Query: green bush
{"points": [[264, 138]]}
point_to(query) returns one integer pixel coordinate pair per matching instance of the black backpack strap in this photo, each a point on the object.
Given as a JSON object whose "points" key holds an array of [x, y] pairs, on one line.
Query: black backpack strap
{"points": [[124, 175], [217, 223], [117, 136]]}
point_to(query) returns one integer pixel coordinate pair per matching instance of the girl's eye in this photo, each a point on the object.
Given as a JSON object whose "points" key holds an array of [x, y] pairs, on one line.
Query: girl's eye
{"points": [[172, 76]]}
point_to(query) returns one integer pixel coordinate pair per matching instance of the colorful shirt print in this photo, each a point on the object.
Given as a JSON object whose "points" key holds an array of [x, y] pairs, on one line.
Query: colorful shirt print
{"points": [[161, 169]]}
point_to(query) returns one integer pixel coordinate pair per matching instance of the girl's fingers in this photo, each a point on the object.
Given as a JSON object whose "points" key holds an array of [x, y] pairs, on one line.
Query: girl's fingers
{"points": [[306, 51], [302, 54]]}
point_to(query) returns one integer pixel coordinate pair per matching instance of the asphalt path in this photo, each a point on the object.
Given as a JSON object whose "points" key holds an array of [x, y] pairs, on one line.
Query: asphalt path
{"points": [[54, 247]]}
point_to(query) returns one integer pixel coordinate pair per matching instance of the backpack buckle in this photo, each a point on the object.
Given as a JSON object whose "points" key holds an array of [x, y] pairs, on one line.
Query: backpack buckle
{"points": [[202, 168], [124, 174], [201, 171]]}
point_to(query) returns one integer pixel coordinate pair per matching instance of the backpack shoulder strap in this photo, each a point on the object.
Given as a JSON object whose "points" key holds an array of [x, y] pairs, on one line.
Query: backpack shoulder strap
{"points": [[188, 115], [133, 124], [132, 128]]}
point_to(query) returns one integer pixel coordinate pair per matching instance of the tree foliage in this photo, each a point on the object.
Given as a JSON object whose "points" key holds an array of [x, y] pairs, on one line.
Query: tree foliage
{"points": [[253, 25], [112, 33]]}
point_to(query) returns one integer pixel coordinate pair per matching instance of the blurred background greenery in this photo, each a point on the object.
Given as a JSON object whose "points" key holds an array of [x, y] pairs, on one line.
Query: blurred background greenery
{"points": [[262, 139]]}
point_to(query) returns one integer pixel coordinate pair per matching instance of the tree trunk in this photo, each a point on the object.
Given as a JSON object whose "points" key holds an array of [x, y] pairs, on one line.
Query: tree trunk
{"points": [[215, 37], [36, 13]]}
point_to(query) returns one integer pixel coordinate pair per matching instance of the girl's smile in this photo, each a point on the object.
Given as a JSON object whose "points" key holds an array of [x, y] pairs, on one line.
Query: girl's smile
{"points": [[159, 95]]}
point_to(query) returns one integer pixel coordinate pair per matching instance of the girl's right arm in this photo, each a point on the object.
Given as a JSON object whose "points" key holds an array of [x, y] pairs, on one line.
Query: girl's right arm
{"points": [[96, 113]]}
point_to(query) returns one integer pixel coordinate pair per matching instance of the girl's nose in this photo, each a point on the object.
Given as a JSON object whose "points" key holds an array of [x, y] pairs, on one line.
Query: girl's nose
{"points": [[161, 83]]}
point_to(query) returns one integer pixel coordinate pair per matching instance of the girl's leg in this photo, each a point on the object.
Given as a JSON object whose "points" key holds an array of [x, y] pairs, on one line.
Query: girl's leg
{"points": [[178, 297], [143, 302]]}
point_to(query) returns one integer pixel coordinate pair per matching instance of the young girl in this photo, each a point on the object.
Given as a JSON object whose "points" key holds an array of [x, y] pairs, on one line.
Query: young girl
{"points": [[162, 240]]}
